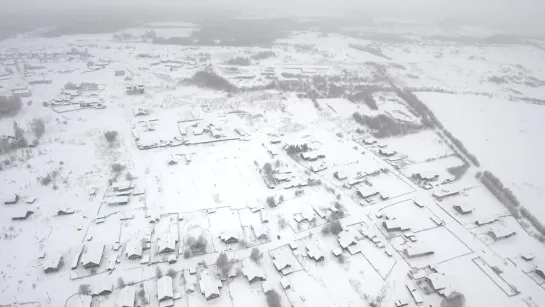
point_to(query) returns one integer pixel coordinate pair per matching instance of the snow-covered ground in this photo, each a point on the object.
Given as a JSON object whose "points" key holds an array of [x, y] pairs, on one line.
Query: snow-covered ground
{"points": [[187, 173]]}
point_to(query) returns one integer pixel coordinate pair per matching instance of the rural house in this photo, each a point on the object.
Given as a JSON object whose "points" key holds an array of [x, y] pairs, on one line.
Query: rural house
{"points": [[126, 297], [164, 289], [134, 249], [209, 285], [93, 255]]}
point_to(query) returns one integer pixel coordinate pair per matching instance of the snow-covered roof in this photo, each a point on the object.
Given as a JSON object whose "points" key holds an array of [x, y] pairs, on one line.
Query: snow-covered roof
{"points": [[166, 242], [126, 297], [93, 253], [117, 200], [252, 271], [209, 285], [260, 231], [348, 237], [282, 261], [103, 288], [364, 191], [418, 250], [134, 247], [164, 288], [52, 263], [314, 251], [121, 185]]}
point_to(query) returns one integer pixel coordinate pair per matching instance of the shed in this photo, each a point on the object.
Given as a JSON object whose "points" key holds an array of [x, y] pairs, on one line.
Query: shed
{"points": [[527, 257], [164, 288], [93, 255], [65, 211], [337, 251], [285, 283], [121, 186], [126, 297]]}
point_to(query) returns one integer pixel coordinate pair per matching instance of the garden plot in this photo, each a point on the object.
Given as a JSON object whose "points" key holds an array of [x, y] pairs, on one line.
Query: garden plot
{"points": [[195, 232], [408, 216], [245, 294], [483, 205], [156, 132], [225, 228], [410, 146], [105, 229], [379, 187], [376, 256], [433, 246], [435, 172], [235, 184], [305, 291], [255, 232]]}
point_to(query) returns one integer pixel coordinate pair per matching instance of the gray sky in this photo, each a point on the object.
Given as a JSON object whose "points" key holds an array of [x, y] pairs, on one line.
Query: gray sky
{"points": [[518, 13]]}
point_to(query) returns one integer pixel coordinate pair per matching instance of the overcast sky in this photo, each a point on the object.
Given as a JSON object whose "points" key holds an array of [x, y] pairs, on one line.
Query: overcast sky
{"points": [[527, 13]]}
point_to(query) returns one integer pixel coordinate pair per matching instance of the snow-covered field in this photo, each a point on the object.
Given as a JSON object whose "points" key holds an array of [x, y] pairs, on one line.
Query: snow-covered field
{"points": [[270, 194]]}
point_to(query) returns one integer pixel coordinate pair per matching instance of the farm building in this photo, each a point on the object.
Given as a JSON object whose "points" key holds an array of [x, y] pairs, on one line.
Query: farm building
{"points": [[93, 255], [134, 249], [126, 297]]}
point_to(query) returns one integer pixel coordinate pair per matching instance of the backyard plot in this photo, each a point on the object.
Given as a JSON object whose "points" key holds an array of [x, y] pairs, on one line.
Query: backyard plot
{"points": [[305, 291], [435, 171], [408, 216], [154, 133], [195, 233], [225, 228], [246, 294], [382, 186], [433, 246], [411, 146], [480, 201]]}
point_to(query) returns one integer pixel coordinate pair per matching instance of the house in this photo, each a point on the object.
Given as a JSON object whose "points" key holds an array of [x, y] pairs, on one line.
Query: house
{"points": [[500, 234], [527, 257], [348, 237], [134, 249], [282, 262], [103, 289], [540, 272], [117, 200], [425, 175], [22, 215], [209, 285], [11, 200], [437, 281], [121, 186], [52, 264], [366, 192], [164, 288], [394, 225], [93, 255], [340, 175], [463, 209], [443, 193], [386, 152], [260, 231], [312, 155], [314, 252], [229, 237], [166, 244], [417, 251], [252, 271], [126, 297]]}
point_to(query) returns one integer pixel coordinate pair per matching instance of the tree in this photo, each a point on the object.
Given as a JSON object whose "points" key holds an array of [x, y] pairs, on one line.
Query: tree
{"points": [[117, 167], [110, 136], [455, 299], [171, 273], [158, 272], [271, 202], [38, 127], [70, 86], [223, 264], [273, 299], [85, 289], [256, 255], [120, 282], [10, 104], [20, 140]]}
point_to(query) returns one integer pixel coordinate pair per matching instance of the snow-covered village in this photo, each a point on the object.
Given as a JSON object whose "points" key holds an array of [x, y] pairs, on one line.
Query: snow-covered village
{"points": [[145, 167]]}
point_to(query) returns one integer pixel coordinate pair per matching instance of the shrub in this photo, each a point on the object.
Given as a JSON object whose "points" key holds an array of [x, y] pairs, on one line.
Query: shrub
{"points": [[282, 223], [120, 282], [10, 105], [223, 264], [455, 299], [333, 228], [110, 136], [239, 61], [271, 202], [256, 255], [38, 127], [341, 259], [273, 299], [268, 172], [281, 199], [19, 133], [209, 79], [366, 97], [46, 180], [117, 167], [84, 289], [458, 171], [197, 245], [71, 86], [385, 126], [129, 176], [158, 272], [171, 273], [188, 253]]}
